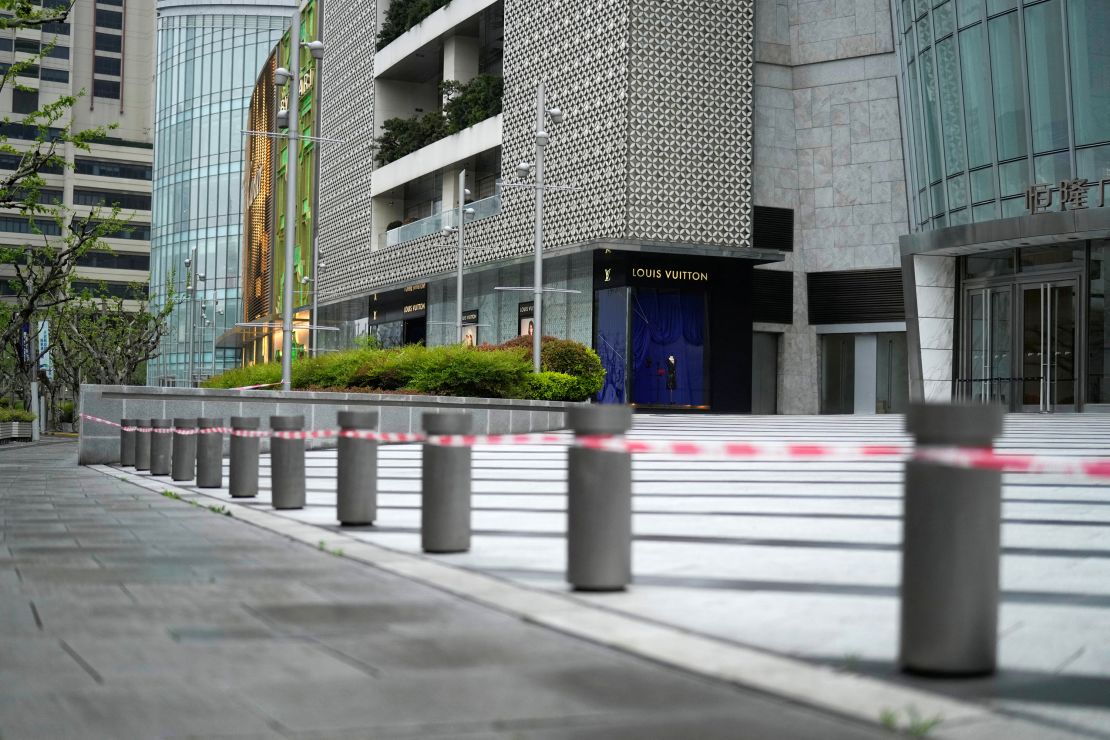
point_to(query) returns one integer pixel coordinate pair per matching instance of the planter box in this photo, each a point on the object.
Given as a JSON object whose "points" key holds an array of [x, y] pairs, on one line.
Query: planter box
{"points": [[10, 430]]}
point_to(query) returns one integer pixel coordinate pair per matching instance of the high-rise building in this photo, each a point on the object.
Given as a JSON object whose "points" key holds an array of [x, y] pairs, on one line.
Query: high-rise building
{"points": [[104, 50], [208, 58], [1008, 131]]}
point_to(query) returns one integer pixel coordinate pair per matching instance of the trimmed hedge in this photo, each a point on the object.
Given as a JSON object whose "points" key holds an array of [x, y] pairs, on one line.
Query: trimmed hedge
{"points": [[572, 371], [21, 415]]}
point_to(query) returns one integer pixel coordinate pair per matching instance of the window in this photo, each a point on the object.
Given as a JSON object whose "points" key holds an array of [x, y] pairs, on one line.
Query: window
{"points": [[106, 89], [1009, 97], [12, 161], [25, 70], [62, 28], [955, 158], [107, 65], [1048, 100], [977, 85], [108, 168], [1090, 60], [17, 225], [27, 46], [109, 18], [53, 75], [58, 52], [114, 260], [108, 42], [132, 291], [5, 44], [86, 197], [25, 101]]}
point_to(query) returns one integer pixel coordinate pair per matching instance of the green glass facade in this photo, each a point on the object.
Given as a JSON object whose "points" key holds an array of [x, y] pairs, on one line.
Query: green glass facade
{"points": [[1002, 95]]}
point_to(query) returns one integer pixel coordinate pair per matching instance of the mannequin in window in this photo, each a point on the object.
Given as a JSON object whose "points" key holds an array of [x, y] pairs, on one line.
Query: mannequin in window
{"points": [[672, 377]]}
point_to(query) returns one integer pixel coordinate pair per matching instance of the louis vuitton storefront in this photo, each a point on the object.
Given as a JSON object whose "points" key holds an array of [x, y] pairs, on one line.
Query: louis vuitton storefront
{"points": [[674, 332]]}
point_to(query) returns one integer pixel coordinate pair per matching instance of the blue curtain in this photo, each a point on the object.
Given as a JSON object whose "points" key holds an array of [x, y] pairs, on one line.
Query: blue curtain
{"points": [[668, 347]]}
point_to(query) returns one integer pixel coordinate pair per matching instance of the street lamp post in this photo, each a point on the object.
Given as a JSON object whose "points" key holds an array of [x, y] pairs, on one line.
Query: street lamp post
{"points": [[292, 77], [193, 279], [543, 114]]}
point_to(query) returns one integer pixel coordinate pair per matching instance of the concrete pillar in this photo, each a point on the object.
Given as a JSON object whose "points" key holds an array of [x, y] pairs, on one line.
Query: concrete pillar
{"points": [[866, 357], [357, 476], [127, 444], [142, 444], [951, 546], [243, 473], [287, 474], [599, 503], [445, 486], [161, 447], [210, 454], [184, 466]]}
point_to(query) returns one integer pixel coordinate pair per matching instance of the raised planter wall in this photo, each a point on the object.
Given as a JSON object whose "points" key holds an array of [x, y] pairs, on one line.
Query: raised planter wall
{"points": [[99, 444], [12, 430]]}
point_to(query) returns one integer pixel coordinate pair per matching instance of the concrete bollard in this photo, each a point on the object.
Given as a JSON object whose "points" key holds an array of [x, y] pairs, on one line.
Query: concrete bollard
{"points": [[127, 444], [287, 483], [184, 465], [951, 538], [243, 475], [161, 447], [445, 487], [599, 503], [142, 444], [210, 454], [357, 478]]}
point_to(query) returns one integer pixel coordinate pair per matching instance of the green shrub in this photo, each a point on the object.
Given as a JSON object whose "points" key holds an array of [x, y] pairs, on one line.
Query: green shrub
{"points": [[15, 415], [568, 357], [403, 15], [549, 386], [331, 370], [389, 370], [244, 376], [462, 371]]}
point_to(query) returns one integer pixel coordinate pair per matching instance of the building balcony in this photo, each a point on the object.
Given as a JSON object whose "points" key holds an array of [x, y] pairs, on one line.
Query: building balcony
{"points": [[439, 155], [417, 51], [484, 208]]}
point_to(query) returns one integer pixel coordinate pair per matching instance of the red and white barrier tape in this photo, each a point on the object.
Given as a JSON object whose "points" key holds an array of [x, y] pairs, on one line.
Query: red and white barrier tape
{"points": [[255, 387], [984, 459]]}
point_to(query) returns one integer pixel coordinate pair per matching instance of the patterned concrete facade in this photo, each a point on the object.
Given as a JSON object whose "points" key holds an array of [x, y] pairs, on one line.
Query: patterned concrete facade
{"points": [[634, 79], [828, 144]]}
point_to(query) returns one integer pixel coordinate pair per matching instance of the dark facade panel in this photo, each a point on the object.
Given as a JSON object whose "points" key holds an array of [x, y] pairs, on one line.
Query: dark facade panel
{"points": [[773, 228], [773, 296], [855, 296]]}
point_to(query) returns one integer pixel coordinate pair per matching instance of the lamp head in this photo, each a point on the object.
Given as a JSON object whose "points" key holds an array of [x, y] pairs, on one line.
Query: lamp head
{"points": [[188, 262], [542, 137], [282, 118], [523, 169], [315, 48], [282, 76], [306, 280], [555, 114]]}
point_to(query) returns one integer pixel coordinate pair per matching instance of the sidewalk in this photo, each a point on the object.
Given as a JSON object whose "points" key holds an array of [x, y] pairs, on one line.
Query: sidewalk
{"points": [[771, 574], [124, 614]]}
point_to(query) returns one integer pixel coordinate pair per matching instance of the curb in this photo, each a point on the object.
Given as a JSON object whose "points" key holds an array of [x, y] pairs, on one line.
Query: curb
{"points": [[856, 697]]}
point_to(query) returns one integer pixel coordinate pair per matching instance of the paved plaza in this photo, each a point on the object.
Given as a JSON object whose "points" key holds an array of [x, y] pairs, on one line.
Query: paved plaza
{"points": [[127, 614], [797, 558]]}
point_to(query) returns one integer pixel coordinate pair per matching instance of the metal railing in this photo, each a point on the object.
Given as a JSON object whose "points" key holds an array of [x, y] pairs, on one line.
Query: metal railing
{"points": [[436, 223]]}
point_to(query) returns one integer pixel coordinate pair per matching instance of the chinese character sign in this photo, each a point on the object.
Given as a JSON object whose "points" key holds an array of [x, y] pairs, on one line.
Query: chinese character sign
{"points": [[1074, 195]]}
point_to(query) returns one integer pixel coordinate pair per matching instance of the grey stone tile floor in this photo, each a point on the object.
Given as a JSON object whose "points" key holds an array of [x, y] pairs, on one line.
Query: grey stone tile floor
{"points": [[800, 558], [124, 614]]}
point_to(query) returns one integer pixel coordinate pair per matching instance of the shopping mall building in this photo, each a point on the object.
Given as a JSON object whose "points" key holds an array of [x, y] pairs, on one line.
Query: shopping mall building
{"points": [[755, 206]]}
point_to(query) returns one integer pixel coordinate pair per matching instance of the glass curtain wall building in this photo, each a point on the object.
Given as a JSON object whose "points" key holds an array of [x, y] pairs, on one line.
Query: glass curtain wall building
{"points": [[207, 61], [1003, 96], [1008, 125]]}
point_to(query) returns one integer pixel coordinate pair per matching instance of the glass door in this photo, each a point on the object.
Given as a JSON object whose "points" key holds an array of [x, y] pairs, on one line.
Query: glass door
{"points": [[988, 372], [1049, 323]]}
